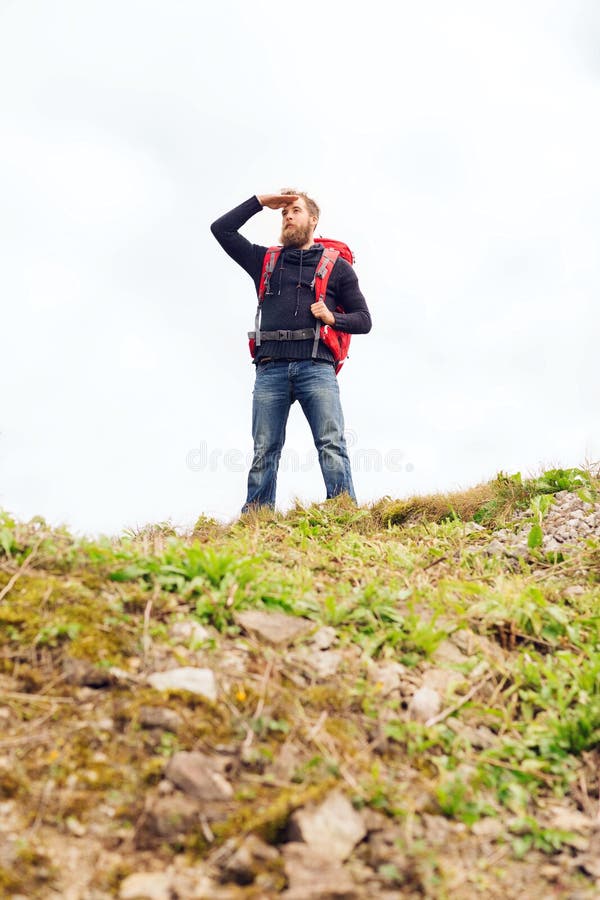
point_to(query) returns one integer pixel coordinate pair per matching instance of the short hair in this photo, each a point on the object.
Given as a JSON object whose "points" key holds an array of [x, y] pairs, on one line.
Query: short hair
{"points": [[311, 205]]}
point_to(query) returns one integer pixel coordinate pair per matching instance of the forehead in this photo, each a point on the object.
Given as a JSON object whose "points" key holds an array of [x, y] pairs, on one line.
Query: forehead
{"points": [[300, 203]]}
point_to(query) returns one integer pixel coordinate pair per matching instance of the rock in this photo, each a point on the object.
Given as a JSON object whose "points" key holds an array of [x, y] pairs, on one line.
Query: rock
{"points": [[123, 676], [481, 737], [146, 886], [440, 831], [494, 548], [198, 775], [383, 849], [274, 627], [564, 819], [388, 676], [170, 815], [189, 630], [75, 827], [160, 717], [488, 828], [187, 678], [333, 825], [472, 527], [313, 875], [425, 704], [252, 856], [83, 673], [448, 652], [322, 664], [324, 638], [443, 681], [591, 864], [193, 883], [374, 820], [518, 551], [286, 761], [471, 643]]}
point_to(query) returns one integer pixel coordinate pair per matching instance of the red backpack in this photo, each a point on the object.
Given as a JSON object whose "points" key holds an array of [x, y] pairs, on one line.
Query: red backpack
{"points": [[337, 341]]}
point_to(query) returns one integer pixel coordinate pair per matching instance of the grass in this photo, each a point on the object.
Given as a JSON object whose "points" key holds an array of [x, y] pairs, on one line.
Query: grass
{"points": [[402, 583]]}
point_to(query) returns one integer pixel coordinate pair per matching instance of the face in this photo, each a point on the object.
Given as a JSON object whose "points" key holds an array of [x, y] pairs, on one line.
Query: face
{"points": [[297, 224]]}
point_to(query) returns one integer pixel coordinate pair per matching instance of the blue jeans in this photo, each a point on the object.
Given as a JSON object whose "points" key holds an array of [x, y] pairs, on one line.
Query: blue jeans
{"points": [[278, 384]]}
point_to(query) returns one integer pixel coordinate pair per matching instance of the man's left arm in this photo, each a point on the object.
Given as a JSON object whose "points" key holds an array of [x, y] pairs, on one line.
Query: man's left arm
{"points": [[356, 318]]}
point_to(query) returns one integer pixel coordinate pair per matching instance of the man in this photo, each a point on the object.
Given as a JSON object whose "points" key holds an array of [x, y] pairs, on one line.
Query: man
{"points": [[287, 369]]}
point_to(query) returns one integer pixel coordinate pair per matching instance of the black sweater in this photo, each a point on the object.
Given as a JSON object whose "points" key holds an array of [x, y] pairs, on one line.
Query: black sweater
{"points": [[288, 305]]}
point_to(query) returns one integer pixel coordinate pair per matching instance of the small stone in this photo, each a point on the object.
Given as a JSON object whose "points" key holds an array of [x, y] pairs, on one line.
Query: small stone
{"points": [[171, 815], [470, 643], [190, 631], [146, 886], [187, 678], [383, 848], [198, 775], [564, 819], [550, 872], [195, 884], [106, 724], [551, 544], [444, 681], [387, 676], [333, 825], [321, 663], [448, 652], [75, 827], [324, 637], [273, 627], [591, 864], [518, 551], [247, 861], [160, 717], [495, 547], [374, 820], [479, 737], [123, 676], [286, 761], [488, 828], [440, 831], [83, 673], [313, 875], [425, 704]]}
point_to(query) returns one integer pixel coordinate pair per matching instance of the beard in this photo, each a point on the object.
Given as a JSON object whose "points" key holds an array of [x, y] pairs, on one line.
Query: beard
{"points": [[296, 235]]}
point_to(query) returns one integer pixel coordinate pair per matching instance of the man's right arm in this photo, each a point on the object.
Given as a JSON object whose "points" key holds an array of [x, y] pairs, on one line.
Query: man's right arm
{"points": [[226, 230]]}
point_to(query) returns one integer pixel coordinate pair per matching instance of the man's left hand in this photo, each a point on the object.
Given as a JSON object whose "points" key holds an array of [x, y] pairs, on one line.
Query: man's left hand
{"points": [[320, 311]]}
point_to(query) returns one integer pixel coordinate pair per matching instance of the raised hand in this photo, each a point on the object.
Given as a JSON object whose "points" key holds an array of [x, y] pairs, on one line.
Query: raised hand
{"points": [[276, 201]]}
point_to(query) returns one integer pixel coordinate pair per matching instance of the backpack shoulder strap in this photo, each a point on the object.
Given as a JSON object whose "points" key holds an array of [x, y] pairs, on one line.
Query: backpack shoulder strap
{"points": [[268, 267], [322, 272]]}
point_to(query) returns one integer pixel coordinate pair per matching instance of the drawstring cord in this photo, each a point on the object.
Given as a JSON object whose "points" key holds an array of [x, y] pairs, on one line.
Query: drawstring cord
{"points": [[298, 286], [280, 272]]}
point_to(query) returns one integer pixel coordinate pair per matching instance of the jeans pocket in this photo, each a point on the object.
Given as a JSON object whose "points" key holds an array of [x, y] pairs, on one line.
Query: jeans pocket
{"points": [[263, 367]]}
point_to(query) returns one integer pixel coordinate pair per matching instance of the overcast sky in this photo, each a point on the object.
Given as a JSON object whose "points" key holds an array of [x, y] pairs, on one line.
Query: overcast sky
{"points": [[455, 147]]}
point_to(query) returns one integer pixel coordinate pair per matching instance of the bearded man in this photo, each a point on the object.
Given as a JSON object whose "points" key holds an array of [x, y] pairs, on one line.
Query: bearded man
{"points": [[291, 368]]}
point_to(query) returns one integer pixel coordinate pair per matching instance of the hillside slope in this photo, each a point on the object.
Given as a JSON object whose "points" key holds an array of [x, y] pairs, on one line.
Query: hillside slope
{"points": [[394, 701]]}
